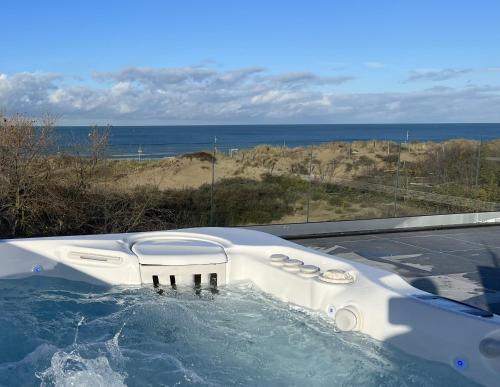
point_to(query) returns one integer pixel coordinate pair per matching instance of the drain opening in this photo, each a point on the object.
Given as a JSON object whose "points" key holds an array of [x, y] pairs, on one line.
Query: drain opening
{"points": [[213, 283], [172, 282], [156, 281], [197, 284], [213, 280]]}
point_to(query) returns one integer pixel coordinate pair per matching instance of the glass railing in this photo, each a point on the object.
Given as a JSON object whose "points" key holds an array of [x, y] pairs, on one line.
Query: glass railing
{"points": [[222, 184], [139, 187]]}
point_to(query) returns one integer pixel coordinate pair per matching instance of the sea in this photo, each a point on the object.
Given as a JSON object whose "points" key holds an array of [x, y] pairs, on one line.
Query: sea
{"points": [[163, 141]]}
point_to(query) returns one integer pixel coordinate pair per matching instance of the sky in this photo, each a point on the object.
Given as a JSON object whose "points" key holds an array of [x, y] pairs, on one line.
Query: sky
{"points": [[249, 62]]}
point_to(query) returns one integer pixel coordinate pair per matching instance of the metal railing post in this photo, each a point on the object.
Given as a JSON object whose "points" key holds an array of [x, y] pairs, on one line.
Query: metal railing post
{"points": [[396, 183], [310, 183], [106, 215], [478, 163], [212, 209]]}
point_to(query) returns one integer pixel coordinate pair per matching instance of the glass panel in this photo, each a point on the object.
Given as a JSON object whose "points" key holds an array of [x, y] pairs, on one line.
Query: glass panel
{"points": [[438, 178], [488, 182], [257, 185], [353, 180], [160, 186], [414, 182]]}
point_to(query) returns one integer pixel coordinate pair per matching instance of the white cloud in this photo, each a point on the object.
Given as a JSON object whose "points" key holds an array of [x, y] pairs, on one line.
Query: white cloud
{"points": [[436, 75], [247, 95], [26, 89], [308, 78], [158, 76]]}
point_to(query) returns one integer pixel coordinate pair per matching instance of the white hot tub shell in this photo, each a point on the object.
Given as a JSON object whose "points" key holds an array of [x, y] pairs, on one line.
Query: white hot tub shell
{"points": [[355, 296]]}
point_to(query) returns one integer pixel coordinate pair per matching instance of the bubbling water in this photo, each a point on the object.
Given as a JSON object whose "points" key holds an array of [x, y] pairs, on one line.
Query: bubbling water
{"points": [[60, 333]]}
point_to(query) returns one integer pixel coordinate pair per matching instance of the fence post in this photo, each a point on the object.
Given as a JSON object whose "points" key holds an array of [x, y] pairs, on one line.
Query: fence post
{"points": [[396, 183], [310, 183], [106, 215], [212, 209], [478, 163]]}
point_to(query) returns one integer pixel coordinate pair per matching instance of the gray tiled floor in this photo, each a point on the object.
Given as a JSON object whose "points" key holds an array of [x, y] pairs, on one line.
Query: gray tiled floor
{"points": [[463, 264]]}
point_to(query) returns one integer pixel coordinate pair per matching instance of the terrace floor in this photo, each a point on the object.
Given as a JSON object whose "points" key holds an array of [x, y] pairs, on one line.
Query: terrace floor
{"points": [[461, 264]]}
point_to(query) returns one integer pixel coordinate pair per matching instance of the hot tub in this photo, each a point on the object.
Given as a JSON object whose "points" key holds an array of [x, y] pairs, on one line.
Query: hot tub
{"points": [[352, 300]]}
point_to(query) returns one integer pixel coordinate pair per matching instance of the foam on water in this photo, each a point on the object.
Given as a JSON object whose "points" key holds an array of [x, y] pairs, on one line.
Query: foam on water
{"points": [[61, 333]]}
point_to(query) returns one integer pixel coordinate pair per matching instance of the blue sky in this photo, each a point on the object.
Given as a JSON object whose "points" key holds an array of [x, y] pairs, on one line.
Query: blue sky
{"points": [[296, 61]]}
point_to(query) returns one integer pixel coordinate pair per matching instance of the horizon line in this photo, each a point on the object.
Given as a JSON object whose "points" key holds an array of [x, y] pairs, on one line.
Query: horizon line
{"points": [[296, 124]]}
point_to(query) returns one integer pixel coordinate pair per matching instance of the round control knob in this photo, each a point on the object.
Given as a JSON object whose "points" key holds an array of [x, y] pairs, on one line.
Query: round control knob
{"points": [[309, 271], [336, 276], [292, 265], [278, 259]]}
